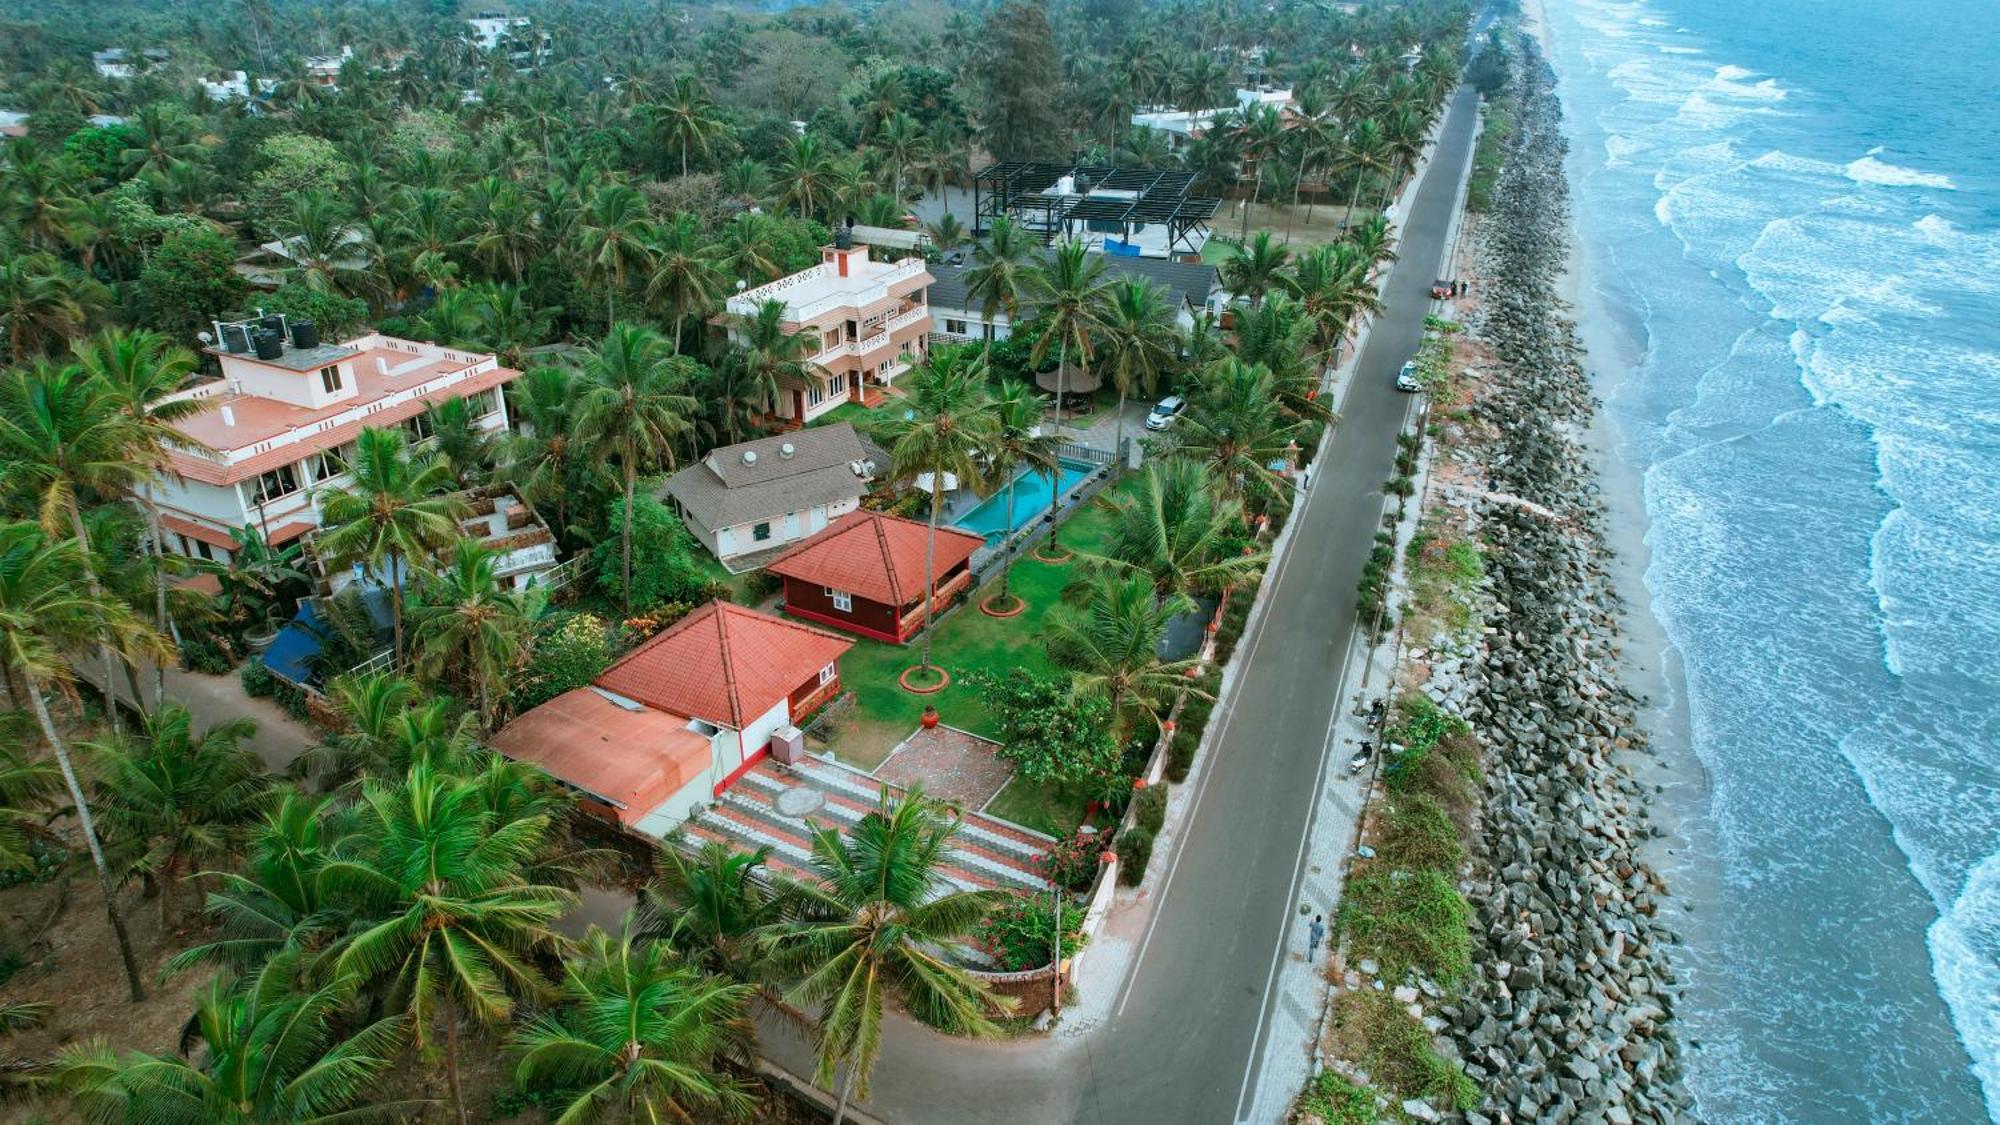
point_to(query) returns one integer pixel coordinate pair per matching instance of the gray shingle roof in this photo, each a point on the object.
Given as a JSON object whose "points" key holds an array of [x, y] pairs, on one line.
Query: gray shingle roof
{"points": [[725, 490], [1187, 283]]}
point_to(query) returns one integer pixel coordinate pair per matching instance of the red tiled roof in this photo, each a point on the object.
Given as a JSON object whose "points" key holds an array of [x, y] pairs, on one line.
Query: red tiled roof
{"points": [[197, 531], [874, 556], [635, 759], [723, 663]]}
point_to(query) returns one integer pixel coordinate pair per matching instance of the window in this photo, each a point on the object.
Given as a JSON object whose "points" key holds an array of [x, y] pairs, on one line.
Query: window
{"points": [[826, 675], [842, 600], [835, 387], [419, 427], [761, 532], [481, 404], [331, 463], [955, 327], [281, 481], [329, 378]]}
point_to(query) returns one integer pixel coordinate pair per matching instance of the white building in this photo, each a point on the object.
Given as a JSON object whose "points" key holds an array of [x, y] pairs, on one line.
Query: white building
{"points": [[119, 64], [1184, 125], [749, 500], [491, 31], [279, 425], [869, 321]]}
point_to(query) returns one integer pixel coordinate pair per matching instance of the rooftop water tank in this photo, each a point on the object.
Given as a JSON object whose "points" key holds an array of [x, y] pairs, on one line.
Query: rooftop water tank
{"points": [[273, 322], [305, 334], [235, 339], [269, 344]]}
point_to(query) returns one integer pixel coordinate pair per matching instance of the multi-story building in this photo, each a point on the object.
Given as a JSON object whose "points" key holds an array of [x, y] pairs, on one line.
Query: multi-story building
{"points": [[1191, 287], [280, 423], [869, 321]]}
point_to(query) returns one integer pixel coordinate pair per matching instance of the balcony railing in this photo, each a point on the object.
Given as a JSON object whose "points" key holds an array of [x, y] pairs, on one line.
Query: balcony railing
{"points": [[947, 590]]}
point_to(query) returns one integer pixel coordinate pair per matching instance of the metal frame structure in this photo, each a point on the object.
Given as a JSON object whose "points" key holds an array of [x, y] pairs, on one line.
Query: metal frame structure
{"points": [[1145, 196]]}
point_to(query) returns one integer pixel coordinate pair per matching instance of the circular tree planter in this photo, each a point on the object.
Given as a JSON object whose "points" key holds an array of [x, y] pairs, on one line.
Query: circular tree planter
{"points": [[1066, 555], [915, 681], [995, 607]]}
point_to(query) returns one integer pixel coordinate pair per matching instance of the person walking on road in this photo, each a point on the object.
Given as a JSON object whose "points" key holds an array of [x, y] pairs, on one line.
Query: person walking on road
{"points": [[1315, 933]]}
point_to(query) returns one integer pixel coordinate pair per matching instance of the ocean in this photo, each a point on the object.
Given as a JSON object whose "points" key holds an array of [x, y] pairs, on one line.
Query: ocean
{"points": [[1788, 221]]}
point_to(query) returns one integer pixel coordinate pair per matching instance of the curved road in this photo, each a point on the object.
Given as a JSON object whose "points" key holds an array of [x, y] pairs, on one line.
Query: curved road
{"points": [[1183, 1039]]}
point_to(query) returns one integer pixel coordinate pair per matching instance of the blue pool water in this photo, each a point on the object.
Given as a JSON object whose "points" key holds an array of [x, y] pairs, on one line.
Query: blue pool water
{"points": [[1031, 498], [1792, 210]]}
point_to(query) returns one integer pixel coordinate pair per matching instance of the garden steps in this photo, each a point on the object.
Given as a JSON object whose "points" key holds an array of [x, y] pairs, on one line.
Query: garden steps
{"points": [[983, 854]]}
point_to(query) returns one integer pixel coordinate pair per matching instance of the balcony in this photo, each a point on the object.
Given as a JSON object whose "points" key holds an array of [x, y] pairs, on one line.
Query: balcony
{"points": [[947, 590]]}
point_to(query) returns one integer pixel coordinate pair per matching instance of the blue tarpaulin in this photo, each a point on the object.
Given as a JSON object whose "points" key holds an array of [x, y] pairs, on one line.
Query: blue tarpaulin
{"points": [[291, 655]]}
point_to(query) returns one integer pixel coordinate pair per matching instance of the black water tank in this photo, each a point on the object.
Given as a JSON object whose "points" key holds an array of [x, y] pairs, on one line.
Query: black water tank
{"points": [[269, 344], [305, 334], [235, 339], [272, 322]]}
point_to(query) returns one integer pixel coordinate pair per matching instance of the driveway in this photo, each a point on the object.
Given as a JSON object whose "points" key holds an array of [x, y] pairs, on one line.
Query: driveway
{"points": [[1180, 1042]]}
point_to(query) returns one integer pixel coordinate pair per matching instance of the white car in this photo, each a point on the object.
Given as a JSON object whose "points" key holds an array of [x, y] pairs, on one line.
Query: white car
{"points": [[1406, 379], [1164, 412]]}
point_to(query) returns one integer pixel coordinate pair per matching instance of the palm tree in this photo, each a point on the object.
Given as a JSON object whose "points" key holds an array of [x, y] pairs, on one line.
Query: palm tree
{"points": [[1255, 267], [874, 922], [276, 904], [160, 139], [64, 434], [542, 455], [26, 786], [711, 904], [1333, 286], [769, 356], [171, 801], [43, 616], [686, 119], [900, 144], [387, 725], [454, 925], [614, 235], [1070, 289], [1373, 240], [947, 234], [750, 249], [947, 429], [1110, 645], [806, 173], [639, 1036], [500, 226], [41, 302], [141, 369], [1262, 136], [329, 251], [269, 1051], [1138, 342], [1019, 447], [459, 440], [1366, 150], [633, 409], [747, 181], [470, 630], [1003, 274], [395, 513], [1173, 527], [1234, 426], [687, 275]]}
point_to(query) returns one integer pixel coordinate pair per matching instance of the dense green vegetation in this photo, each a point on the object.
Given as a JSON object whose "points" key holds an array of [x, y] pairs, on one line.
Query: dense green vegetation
{"points": [[385, 915]]}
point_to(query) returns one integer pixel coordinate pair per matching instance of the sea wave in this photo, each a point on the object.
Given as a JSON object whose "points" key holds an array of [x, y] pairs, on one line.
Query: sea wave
{"points": [[1869, 170]]}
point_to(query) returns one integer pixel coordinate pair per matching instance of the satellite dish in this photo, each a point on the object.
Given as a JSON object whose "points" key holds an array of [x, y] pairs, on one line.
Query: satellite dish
{"points": [[206, 338]]}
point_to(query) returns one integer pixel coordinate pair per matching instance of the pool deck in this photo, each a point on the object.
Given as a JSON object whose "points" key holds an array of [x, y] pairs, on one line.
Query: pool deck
{"points": [[964, 502]]}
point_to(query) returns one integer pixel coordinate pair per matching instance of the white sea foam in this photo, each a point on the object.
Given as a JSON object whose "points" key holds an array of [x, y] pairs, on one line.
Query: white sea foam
{"points": [[1964, 941], [1732, 73], [1671, 49], [1869, 170]]}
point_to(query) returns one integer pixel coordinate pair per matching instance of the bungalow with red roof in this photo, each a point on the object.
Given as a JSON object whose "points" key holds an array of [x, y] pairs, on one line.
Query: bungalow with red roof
{"points": [[679, 719], [865, 574]]}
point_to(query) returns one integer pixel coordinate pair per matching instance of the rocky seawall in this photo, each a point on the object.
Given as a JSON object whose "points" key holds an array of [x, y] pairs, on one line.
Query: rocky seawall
{"points": [[1567, 1013]]}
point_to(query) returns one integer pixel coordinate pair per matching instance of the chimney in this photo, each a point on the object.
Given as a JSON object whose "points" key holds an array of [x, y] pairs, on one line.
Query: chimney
{"points": [[228, 415]]}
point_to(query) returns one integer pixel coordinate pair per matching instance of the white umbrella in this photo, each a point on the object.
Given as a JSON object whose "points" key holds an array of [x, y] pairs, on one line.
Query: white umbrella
{"points": [[924, 482]]}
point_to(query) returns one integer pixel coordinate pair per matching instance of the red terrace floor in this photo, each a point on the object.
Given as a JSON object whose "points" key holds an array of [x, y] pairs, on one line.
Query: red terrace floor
{"points": [[986, 853]]}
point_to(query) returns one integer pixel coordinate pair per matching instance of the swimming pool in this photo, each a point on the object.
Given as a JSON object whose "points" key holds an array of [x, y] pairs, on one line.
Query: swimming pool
{"points": [[1032, 495]]}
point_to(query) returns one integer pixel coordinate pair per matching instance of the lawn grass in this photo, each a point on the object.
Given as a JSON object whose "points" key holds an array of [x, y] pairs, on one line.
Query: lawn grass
{"points": [[967, 642], [1043, 808]]}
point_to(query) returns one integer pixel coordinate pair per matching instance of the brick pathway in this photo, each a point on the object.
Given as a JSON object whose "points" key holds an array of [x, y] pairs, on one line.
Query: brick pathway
{"points": [[951, 765]]}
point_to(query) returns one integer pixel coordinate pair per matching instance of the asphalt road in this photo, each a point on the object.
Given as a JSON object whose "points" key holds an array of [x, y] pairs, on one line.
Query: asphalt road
{"points": [[1181, 1045]]}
